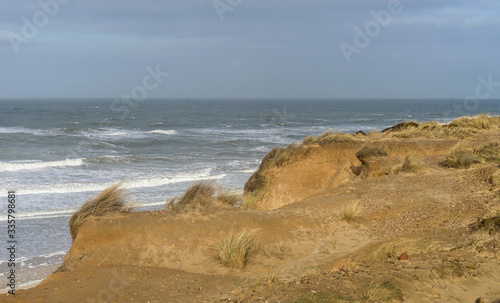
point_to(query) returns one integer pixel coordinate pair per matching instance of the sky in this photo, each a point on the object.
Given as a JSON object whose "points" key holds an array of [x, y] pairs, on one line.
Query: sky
{"points": [[249, 48]]}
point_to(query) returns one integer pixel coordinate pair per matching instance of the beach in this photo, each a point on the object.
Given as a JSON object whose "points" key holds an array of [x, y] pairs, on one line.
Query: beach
{"points": [[409, 214]]}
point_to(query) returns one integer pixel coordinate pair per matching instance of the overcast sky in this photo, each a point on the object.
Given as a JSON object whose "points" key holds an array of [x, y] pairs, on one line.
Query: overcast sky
{"points": [[248, 48]]}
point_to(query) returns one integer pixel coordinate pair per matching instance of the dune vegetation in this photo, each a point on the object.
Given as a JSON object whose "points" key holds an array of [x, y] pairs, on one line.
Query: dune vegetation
{"points": [[234, 249], [111, 200]]}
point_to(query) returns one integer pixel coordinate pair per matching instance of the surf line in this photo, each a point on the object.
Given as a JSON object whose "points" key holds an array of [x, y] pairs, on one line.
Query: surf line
{"points": [[11, 241]]}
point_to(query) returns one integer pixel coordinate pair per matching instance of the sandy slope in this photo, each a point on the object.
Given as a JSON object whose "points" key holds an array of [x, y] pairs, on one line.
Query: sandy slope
{"points": [[306, 252]]}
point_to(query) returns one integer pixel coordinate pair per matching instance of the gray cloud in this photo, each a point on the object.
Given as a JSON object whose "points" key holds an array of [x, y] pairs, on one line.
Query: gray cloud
{"points": [[262, 49]]}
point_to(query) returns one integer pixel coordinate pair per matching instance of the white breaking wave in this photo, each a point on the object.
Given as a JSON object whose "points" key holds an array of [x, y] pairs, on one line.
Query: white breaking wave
{"points": [[129, 184], [35, 132], [251, 170], [45, 214], [164, 132], [16, 166]]}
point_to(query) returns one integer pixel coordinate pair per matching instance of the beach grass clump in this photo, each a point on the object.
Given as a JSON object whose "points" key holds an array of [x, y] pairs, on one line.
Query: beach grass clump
{"points": [[373, 291], [197, 194], [351, 212], [327, 138], [490, 222], [412, 165], [490, 152], [234, 250], [328, 247], [460, 128], [434, 130], [227, 197], [461, 155], [490, 225], [284, 155], [273, 278], [249, 201], [367, 152], [401, 126], [111, 200], [483, 121], [394, 248]]}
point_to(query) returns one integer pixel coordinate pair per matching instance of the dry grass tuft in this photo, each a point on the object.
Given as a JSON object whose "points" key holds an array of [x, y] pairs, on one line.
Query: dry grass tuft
{"points": [[491, 223], [394, 248], [111, 200], [494, 180], [284, 155], [379, 292], [459, 128], [329, 137], [490, 152], [199, 193], [412, 165], [433, 130], [367, 152], [461, 155], [227, 197], [401, 126], [482, 121], [351, 212], [235, 249], [328, 247], [249, 201], [273, 278]]}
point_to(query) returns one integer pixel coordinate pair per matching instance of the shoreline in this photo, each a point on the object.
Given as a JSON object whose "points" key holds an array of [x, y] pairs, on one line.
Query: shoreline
{"points": [[29, 278]]}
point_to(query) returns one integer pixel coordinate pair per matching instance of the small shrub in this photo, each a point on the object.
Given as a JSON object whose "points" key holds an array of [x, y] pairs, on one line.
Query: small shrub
{"points": [[111, 200], [234, 250], [351, 212]]}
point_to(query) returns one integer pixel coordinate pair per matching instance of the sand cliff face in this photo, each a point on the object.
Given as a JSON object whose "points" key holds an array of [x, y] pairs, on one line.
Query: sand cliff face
{"points": [[339, 218], [317, 168]]}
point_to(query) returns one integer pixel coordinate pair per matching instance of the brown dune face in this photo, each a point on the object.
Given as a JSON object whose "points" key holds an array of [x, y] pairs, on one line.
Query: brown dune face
{"points": [[377, 218]]}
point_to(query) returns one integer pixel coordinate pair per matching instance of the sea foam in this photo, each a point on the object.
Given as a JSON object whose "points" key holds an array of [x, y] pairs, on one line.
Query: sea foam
{"points": [[17, 166]]}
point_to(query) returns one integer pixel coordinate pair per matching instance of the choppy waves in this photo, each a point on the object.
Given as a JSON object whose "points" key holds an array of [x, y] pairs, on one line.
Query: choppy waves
{"points": [[155, 181], [32, 165]]}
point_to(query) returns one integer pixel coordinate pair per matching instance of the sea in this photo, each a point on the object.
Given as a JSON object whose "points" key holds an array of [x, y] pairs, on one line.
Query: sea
{"points": [[57, 153]]}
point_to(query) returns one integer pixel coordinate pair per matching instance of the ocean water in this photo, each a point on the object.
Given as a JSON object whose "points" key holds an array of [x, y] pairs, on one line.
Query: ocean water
{"points": [[57, 153]]}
